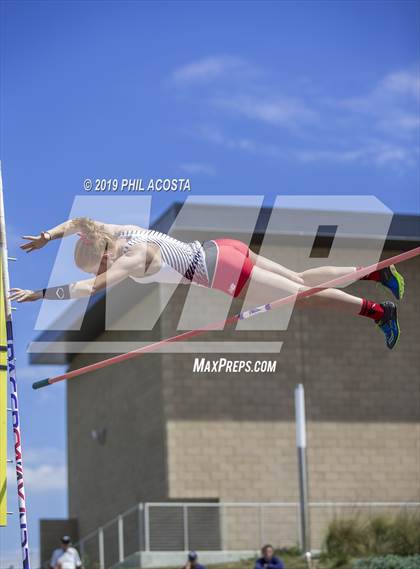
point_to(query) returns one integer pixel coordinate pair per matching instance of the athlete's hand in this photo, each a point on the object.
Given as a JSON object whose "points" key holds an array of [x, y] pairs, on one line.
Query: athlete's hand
{"points": [[22, 295], [35, 241]]}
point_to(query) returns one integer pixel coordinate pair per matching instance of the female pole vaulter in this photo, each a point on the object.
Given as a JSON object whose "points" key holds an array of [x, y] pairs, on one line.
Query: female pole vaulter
{"points": [[113, 253]]}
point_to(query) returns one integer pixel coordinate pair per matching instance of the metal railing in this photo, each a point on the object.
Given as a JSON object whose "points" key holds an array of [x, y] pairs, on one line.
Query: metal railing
{"points": [[213, 526]]}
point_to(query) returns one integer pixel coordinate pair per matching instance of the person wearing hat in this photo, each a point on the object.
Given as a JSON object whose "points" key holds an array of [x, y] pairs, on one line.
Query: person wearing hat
{"points": [[66, 556], [192, 562]]}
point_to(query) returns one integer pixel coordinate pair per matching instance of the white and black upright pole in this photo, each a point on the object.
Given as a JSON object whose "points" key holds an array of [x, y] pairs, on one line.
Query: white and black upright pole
{"points": [[11, 364], [302, 468]]}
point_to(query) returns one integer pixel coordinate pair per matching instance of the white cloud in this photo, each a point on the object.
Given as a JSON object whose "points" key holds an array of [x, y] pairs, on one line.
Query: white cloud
{"points": [[34, 456], [376, 127], [216, 136], [45, 478], [197, 168], [44, 469], [277, 111], [405, 82], [392, 104], [377, 153], [34, 372], [399, 123], [210, 68]]}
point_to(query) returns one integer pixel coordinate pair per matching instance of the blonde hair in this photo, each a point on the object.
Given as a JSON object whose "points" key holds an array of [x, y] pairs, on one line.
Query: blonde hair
{"points": [[93, 243]]}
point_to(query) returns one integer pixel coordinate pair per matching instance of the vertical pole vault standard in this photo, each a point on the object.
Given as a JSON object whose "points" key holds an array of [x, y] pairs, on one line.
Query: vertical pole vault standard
{"points": [[303, 476], [3, 409], [13, 389]]}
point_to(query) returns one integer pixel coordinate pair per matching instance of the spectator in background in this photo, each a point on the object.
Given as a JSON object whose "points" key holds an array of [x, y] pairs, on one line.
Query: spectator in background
{"points": [[192, 562], [65, 557], [268, 559]]}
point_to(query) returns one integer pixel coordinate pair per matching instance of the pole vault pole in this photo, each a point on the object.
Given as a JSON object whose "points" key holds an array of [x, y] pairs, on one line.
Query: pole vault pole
{"points": [[300, 417], [356, 275], [13, 389]]}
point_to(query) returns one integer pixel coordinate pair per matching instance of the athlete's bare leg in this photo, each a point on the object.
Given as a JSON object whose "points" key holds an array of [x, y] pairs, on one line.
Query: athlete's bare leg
{"points": [[266, 286], [310, 277]]}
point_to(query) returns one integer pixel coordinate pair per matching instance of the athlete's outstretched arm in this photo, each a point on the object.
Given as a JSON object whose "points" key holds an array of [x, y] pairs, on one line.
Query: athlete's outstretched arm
{"points": [[118, 272], [38, 241], [77, 224], [69, 227]]}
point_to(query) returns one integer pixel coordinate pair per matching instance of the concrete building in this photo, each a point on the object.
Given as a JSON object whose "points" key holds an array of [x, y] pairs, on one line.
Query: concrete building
{"points": [[151, 430]]}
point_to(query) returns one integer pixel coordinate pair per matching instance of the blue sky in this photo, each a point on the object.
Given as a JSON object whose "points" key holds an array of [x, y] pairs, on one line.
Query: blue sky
{"points": [[242, 97]]}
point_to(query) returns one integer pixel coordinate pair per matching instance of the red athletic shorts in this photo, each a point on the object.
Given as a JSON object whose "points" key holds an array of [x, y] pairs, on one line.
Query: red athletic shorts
{"points": [[228, 264]]}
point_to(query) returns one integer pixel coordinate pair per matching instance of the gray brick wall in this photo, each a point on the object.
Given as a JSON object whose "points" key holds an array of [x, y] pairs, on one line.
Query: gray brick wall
{"points": [[106, 479]]}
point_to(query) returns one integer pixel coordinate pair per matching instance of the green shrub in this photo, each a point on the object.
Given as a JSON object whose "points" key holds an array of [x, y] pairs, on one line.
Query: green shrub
{"points": [[347, 538], [406, 534], [388, 562], [89, 563], [382, 535], [293, 551]]}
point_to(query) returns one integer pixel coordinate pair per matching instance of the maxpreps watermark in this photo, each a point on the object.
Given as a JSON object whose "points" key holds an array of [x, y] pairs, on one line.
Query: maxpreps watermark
{"points": [[223, 365], [130, 185]]}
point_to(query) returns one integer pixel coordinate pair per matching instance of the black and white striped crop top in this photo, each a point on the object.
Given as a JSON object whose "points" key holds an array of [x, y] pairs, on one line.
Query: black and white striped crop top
{"points": [[187, 259]]}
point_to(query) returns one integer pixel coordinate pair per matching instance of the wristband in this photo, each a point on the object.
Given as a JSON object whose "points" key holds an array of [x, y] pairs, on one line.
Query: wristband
{"points": [[57, 293], [49, 235]]}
